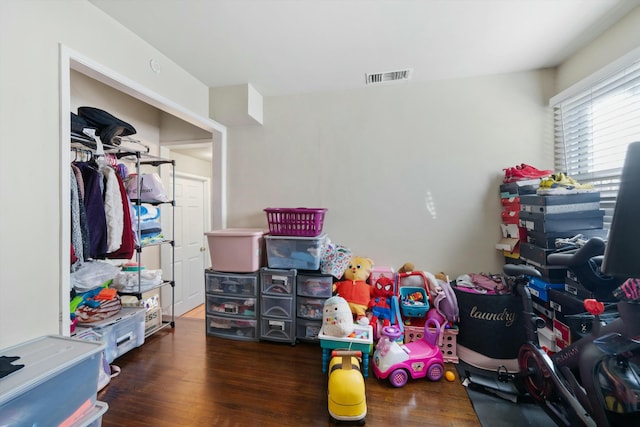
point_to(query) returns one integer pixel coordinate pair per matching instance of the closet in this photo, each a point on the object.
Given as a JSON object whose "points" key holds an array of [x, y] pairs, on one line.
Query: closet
{"points": [[158, 121], [123, 175]]}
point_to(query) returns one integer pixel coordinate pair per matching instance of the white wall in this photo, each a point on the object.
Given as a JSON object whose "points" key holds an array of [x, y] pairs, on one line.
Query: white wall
{"points": [[30, 167], [616, 42], [408, 172]]}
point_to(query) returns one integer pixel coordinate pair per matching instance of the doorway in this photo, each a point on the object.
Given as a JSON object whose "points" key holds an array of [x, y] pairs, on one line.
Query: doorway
{"points": [[192, 199]]}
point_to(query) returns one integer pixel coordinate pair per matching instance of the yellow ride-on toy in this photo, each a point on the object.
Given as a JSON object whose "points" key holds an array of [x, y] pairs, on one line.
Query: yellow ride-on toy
{"points": [[345, 390]]}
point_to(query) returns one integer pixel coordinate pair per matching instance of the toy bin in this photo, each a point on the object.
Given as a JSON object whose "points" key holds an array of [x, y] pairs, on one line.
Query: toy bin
{"points": [[414, 302], [59, 376], [301, 222], [236, 250], [295, 252]]}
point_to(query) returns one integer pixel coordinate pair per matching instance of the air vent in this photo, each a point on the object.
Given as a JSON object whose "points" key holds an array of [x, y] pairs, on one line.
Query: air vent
{"points": [[388, 77]]}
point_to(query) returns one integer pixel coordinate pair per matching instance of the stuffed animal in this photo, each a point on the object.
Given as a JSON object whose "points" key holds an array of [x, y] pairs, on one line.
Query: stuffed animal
{"points": [[354, 287], [380, 303], [337, 320]]}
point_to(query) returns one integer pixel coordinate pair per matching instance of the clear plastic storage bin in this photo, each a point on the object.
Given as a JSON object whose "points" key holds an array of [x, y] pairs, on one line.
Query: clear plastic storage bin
{"points": [[123, 332], [59, 376], [302, 253]]}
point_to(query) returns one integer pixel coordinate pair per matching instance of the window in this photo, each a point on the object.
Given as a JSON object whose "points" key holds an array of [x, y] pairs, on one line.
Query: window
{"points": [[593, 127]]}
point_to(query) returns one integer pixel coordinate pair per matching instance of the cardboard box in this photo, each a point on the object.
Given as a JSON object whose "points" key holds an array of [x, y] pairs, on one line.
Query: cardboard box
{"points": [[534, 253], [562, 221], [507, 244], [573, 287], [152, 320], [548, 239], [510, 203], [549, 273], [540, 288], [527, 186], [560, 203], [562, 331]]}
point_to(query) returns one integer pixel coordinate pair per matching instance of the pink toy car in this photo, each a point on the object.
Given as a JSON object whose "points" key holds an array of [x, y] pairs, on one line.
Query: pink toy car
{"points": [[421, 358]]}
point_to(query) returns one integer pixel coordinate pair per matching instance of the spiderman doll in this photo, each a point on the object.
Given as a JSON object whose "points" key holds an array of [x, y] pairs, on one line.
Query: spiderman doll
{"points": [[380, 303]]}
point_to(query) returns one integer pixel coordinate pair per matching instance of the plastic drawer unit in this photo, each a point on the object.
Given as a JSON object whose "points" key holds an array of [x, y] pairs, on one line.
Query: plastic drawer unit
{"points": [[237, 306], [232, 328], [312, 290], [232, 305], [217, 282], [307, 330], [314, 285], [277, 298], [121, 333], [58, 379]]}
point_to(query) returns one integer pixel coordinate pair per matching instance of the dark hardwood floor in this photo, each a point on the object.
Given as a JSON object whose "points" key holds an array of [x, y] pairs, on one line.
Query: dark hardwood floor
{"points": [[181, 377]]}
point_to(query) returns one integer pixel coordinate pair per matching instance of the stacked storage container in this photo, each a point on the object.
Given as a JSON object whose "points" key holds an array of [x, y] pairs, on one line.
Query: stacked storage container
{"points": [[56, 385], [512, 232], [294, 246], [232, 283], [546, 219]]}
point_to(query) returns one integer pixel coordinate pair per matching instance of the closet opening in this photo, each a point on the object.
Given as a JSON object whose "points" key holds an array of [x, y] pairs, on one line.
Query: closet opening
{"points": [[172, 132]]}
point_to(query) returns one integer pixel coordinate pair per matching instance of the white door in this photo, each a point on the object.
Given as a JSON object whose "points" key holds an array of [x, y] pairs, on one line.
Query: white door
{"points": [[189, 251]]}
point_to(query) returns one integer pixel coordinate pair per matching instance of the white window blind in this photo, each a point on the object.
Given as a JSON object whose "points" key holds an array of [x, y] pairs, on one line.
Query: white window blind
{"points": [[593, 128]]}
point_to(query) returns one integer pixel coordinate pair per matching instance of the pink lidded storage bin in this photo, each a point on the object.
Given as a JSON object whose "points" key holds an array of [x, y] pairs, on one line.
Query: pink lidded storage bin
{"points": [[236, 250]]}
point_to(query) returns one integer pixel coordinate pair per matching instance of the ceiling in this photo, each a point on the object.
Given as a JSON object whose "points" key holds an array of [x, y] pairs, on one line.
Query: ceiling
{"points": [[287, 47]]}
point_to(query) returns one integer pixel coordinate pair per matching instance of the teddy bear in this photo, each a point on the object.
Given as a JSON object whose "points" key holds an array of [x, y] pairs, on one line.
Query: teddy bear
{"points": [[354, 287]]}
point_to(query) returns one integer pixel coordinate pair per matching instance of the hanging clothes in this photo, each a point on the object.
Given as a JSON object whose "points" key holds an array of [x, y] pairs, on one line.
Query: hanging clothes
{"points": [[76, 231], [84, 227], [112, 208], [94, 205], [126, 249]]}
